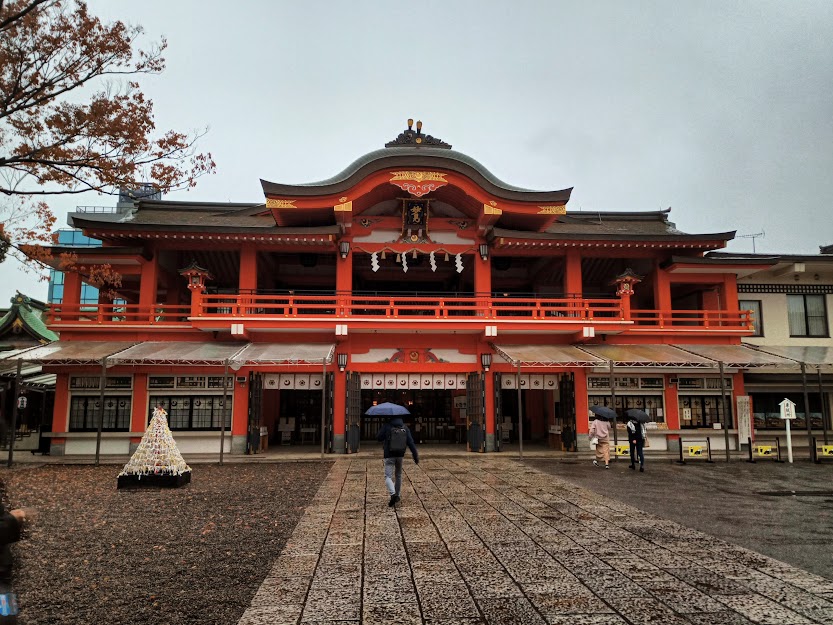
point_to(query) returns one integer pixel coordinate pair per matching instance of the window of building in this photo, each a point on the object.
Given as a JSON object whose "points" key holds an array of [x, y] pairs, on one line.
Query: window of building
{"points": [[767, 410], [85, 411], [651, 404], [807, 315], [193, 412], [702, 411], [754, 305]]}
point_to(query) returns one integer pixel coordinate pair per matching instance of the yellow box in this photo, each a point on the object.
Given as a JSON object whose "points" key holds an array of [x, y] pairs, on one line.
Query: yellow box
{"points": [[827, 450], [622, 450], [695, 450], [764, 450]]}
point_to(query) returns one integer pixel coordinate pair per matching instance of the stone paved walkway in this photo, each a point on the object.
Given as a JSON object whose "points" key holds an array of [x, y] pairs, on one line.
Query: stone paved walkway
{"points": [[493, 541]]}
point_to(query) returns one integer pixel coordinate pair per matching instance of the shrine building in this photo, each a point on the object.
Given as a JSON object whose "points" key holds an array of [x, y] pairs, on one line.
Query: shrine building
{"points": [[493, 313]]}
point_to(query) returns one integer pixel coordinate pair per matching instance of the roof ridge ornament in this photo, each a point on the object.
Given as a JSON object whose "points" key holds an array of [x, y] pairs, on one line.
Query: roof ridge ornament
{"points": [[415, 138]]}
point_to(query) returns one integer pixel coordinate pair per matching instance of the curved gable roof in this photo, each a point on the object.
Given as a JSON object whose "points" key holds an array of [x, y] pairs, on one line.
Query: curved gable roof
{"points": [[407, 156]]}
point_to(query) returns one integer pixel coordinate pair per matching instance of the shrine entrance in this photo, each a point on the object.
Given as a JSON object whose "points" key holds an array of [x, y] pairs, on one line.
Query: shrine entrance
{"points": [[433, 419]]}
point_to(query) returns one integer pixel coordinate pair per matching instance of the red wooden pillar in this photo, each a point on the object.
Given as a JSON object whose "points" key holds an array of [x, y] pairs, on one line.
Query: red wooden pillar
{"points": [[344, 279], [672, 404], [240, 407], [147, 287], [572, 274], [582, 403], [139, 409], [482, 276], [71, 301], [60, 414], [662, 295], [248, 269]]}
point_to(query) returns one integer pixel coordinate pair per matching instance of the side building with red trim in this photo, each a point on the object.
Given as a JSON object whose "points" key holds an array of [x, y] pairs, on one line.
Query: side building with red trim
{"points": [[494, 313]]}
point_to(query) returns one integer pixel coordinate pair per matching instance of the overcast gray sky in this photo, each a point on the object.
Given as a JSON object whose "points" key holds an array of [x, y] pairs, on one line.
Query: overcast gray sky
{"points": [[721, 110]]}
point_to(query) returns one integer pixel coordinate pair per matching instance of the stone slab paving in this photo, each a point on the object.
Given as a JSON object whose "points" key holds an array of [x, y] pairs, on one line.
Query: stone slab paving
{"points": [[491, 541]]}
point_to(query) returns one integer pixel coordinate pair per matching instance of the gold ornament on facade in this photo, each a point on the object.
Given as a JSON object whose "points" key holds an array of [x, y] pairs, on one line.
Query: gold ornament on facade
{"points": [[275, 203], [346, 207], [489, 209], [419, 176], [552, 210]]}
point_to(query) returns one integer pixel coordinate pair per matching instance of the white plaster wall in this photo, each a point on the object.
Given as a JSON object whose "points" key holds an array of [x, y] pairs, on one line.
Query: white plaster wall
{"points": [[776, 328], [81, 446]]}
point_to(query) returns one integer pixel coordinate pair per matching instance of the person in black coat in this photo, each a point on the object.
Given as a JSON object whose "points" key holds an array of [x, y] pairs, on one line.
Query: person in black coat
{"points": [[393, 459], [12, 527], [636, 438]]}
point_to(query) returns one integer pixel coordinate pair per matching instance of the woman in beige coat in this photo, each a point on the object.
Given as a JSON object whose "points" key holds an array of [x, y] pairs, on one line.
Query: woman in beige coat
{"points": [[600, 430]]}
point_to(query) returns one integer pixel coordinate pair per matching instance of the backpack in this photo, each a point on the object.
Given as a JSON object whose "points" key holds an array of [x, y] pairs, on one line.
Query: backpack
{"points": [[398, 439]]}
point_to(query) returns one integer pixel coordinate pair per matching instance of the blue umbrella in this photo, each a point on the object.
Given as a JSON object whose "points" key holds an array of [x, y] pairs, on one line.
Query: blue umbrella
{"points": [[387, 409], [603, 412]]}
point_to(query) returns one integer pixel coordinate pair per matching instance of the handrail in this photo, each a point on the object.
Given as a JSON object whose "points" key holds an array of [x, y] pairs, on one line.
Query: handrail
{"points": [[259, 306]]}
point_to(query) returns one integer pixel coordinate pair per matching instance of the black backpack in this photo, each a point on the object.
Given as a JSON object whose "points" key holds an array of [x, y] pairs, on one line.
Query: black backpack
{"points": [[398, 439]]}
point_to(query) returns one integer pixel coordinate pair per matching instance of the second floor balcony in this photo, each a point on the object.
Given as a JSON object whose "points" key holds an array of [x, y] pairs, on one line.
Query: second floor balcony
{"points": [[377, 311]]}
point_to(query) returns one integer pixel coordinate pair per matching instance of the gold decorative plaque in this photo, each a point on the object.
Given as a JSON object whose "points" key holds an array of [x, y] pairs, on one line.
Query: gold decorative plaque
{"points": [[488, 209], [552, 210], [347, 207], [418, 176], [274, 203], [418, 183]]}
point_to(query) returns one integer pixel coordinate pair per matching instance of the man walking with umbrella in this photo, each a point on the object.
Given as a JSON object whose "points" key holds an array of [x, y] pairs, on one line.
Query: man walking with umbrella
{"points": [[600, 432], [396, 439], [636, 436]]}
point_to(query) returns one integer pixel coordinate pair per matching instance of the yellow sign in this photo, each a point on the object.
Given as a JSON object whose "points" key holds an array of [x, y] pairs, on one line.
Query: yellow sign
{"points": [[695, 450], [764, 450], [827, 450], [623, 450]]}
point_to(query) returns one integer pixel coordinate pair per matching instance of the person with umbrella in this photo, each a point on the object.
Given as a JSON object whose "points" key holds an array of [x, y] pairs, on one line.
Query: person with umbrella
{"points": [[396, 439], [600, 431], [636, 436]]}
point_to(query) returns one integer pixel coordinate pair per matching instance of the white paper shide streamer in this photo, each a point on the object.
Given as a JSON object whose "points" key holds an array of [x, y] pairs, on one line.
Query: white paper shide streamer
{"points": [[458, 260], [157, 454]]}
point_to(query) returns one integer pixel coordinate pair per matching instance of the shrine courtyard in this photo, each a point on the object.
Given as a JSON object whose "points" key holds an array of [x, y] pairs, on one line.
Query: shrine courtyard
{"points": [[474, 540]]}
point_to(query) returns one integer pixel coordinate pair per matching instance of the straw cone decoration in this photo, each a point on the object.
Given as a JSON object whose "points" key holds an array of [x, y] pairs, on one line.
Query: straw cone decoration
{"points": [[156, 461]]}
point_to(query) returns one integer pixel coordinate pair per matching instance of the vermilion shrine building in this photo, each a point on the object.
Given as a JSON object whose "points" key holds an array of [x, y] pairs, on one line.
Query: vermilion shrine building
{"points": [[414, 276]]}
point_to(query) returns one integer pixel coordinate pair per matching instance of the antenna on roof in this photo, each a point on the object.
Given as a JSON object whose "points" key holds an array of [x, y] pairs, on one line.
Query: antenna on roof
{"points": [[757, 235]]}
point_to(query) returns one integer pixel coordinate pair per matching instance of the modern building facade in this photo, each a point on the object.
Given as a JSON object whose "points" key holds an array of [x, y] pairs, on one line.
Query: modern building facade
{"points": [[495, 313]]}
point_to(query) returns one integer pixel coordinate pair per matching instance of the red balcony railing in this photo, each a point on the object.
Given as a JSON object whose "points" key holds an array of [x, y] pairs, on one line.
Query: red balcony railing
{"points": [[374, 307]]}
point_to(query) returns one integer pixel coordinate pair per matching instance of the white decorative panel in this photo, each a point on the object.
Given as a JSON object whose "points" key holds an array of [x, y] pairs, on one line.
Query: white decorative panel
{"points": [[390, 380], [536, 382], [287, 381], [550, 382], [316, 382], [378, 380], [414, 380], [367, 381], [426, 381], [402, 380], [451, 380], [461, 380], [439, 381], [507, 381], [302, 382], [271, 380]]}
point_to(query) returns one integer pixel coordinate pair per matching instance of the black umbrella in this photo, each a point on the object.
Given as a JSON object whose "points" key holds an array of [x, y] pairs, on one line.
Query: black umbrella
{"points": [[602, 412], [638, 415]]}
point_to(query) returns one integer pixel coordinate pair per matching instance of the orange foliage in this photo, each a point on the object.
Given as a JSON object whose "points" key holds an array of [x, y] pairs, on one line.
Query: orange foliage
{"points": [[58, 135]]}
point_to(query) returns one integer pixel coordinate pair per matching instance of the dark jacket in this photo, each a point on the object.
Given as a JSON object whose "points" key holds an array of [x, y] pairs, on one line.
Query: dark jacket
{"points": [[384, 433], [9, 533], [635, 432]]}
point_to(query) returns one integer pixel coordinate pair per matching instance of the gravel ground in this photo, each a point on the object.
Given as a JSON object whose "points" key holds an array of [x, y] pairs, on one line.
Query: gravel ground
{"points": [[196, 554]]}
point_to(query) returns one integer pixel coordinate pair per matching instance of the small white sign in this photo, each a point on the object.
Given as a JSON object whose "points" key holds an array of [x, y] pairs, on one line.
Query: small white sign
{"points": [[787, 409], [744, 418]]}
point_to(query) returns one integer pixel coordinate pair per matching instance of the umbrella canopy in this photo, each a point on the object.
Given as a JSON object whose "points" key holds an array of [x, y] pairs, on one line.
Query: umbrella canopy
{"points": [[387, 409], [602, 412], [638, 415]]}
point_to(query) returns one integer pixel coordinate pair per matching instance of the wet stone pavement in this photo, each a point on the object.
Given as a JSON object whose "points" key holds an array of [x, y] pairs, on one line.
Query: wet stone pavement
{"points": [[494, 541]]}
